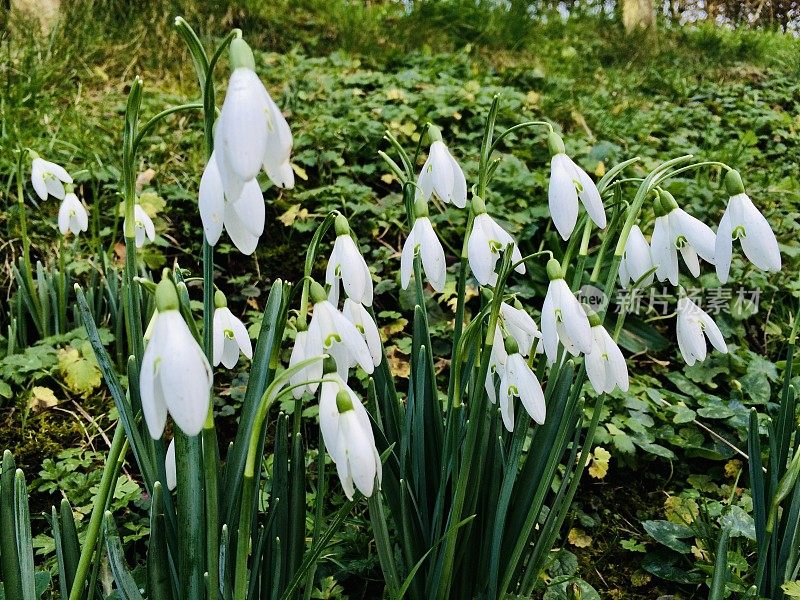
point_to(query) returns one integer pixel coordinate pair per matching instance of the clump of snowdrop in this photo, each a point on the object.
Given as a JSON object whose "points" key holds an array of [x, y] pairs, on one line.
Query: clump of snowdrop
{"points": [[568, 184], [423, 242], [230, 335], [175, 377], [441, 175], [563, 318], [346, 264], [676, 230], [744, 222], [693, 326], [48, 178], [605, 364], [636, 262], [348, 436], [72, 215], [486, 240]]}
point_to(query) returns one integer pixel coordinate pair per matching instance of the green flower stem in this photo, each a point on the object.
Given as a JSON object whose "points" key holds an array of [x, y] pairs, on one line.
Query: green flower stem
{"points": [[190, 509], [96, 520], [26, 244], [516, 128], [145, 129]]}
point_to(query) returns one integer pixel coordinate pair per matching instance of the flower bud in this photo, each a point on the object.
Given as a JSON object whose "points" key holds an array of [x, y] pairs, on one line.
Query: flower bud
{"points": [[512, 347], [220, 301], [317, 293], [478, 205], [241, 55], [166, 296], [668, 203], [420, 207], [341, 225], [555, 144], [434, 133], [554, 270], [328, 365], [343, 402], [733, 183], [594, 318]]}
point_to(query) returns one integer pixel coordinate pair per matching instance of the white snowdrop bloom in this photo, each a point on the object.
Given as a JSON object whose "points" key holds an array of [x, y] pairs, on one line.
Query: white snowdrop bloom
{"points": [[243, 218], [230, 335], [312, 372], [518, 380], [441, 175], [605, 364], [636, 260], [693, 326], [169, 466], [497, 361], [563, 317], [348, 265], [72, 215], [675, 229], [348, 437], [175, 375], [360, 317], [330, 332], [486, 240], [744, 222], [251, 133], [568, 184], [521, 326], [48, 178], [423, 241], [142, 226]]}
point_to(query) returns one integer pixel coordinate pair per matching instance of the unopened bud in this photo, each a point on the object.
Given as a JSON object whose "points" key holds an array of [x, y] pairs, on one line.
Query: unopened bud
{"points": [[555, 143], [554, 270], [341, 225], [166, 296], [317, 293], [241, 56], [343, 402], [733, 183], [220, 300]]}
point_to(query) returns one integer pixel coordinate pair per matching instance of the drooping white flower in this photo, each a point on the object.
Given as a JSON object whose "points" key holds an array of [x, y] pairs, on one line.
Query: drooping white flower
{"points": [[330, 332], [568, 183], [636, 260], [348, 265], [242, 218], [441, 175], [486, 240], [563, 317], [518, 380], [360, 317], [312, 372], [693, 326], [605, 364], [423, 241], [251, 133], [48, 178], [143, 226], [170, 467], [521, 326], [744, 222], [175, 375], [230, 335], [675, 230], [497, 362], [348, 437], [72, 215]]}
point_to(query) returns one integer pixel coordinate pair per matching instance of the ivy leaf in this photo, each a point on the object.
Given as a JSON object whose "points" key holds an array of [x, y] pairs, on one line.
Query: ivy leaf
{"points": [[564, 562], [739, 523], [669, 534]]}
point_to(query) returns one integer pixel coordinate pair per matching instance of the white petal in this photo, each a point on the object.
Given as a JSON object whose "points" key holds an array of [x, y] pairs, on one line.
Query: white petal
{"points": [[595, 362], [250, 208], [506, 398], [441, 172], [169, 466], [698, 234], [562, 195], [58, 172], [218, 334], [574, 318], [425, 180], [590, 197], [691, 260], [63, 217], [355, 272], [153, 405], [241, 336], [407, 258], [549, 329], [759, 243], [54, 187], [360, 452], [637, 256], [530, 390], [212, 201], [663, 251], [723, 247], [481, 259], [459, 184], [713, 333], [37, 177], [239, 233], [432, 254], [329, 417], [244, 124]]}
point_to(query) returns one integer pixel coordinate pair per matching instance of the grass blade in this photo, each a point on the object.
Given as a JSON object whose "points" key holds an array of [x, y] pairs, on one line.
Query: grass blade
{"points": [[126, 586]]}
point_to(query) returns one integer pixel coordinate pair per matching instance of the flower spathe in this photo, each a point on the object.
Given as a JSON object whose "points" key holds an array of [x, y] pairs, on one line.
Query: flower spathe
{"points": [[678, 230], [744, 222], [441, 175], [563, 317], [693, 326], [72, 215], [142, 226], [243, 218], [636, 260], [605, 364], [175, 375], [348, 265], [348, 436], [230, 336], [423, 241], [568, 184], [48, 178], [486, 240], [518, 380]]}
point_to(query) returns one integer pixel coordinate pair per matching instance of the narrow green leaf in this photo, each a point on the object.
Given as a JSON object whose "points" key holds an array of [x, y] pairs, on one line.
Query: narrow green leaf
{"points": [[158, 576], [22, 525], [12, 579], [126, 586], [69, 544], [383, 543], [721, 571]]}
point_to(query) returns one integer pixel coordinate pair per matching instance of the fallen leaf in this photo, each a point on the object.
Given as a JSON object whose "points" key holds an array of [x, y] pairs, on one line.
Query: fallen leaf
{"points": [[41, 398]]}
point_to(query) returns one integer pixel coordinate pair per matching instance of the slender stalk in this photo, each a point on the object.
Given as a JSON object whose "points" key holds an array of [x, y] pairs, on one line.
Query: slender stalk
{"points": [[26, 244]]}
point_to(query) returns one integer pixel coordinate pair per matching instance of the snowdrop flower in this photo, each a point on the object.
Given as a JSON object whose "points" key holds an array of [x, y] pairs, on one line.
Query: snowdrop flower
{"points": [[742, 221], [348, 437], [563, 317], [309, 373], [675, 229], [347, 264], [518, 380], [441, 174], [521, 326], [230, 334], [48, 178], [169, 466], [486, 240], [605, 365], [72, 215], [636, 260], [175, 375], [331, 333], [142, 225], [423, 241], [497, 362], [251, 133], [568, 183], [243, 217], [360, 317], [693, 326]]}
